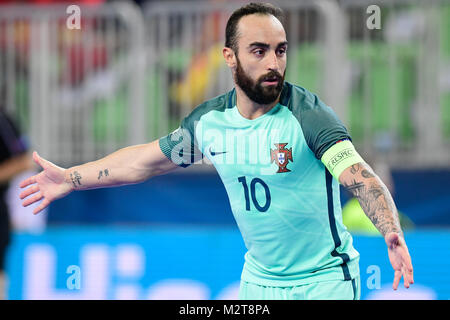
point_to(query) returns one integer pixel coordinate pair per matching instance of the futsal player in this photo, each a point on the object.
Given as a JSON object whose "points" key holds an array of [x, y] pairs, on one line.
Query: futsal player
{"points": [[281, 154]]}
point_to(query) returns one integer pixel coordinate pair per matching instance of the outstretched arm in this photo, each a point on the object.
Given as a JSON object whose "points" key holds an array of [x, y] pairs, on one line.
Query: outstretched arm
{"points": [[377, 203], [126, 166]]}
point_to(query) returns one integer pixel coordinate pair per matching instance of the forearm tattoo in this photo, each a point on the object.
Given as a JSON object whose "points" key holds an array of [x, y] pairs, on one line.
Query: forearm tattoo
{"points": [[102, 173], [76, 179], [375, 199]]}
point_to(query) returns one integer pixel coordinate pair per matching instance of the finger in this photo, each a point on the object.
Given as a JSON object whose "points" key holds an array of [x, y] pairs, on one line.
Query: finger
{"points": [[397, 277], [33, 199], [407, 276], [409, 273], [29, 191], [407, 264], [27, 182], [44, 204]]}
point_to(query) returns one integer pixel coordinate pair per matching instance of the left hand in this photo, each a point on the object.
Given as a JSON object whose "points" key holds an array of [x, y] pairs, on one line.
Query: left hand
{"points": [[400, 259]]}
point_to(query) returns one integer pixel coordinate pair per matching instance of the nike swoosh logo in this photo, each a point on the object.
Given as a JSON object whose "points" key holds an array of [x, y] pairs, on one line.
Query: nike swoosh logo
{"points": [[215, 153]]}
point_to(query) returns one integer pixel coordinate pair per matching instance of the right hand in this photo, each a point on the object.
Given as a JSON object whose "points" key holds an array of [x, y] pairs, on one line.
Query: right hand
{"points": [[400, 259], [48, 185]]}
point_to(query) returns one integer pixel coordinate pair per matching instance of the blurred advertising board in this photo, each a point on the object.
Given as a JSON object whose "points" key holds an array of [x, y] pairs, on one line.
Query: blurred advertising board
{"points": [[189, 263]]}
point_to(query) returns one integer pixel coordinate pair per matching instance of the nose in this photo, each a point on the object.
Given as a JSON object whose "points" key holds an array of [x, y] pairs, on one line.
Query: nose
{"points": [[273, 62]]}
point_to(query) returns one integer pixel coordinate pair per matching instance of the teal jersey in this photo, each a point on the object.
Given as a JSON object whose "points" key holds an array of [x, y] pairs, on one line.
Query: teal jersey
{"points": [[284, 200]]}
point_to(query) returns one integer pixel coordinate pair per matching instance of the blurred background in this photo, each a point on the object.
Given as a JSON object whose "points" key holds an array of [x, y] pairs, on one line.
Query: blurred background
{"points": [[122, 73]]}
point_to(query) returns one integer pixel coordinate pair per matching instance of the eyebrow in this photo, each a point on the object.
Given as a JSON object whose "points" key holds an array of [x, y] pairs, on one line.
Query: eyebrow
{"points": [[266, 45]]}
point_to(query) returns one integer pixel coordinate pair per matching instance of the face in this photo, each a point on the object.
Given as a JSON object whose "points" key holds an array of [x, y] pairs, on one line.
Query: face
{"points": [[260, 63], [263, 90]]}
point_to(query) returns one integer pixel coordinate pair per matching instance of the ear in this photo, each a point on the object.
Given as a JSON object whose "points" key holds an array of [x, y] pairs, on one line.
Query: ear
{"points": [[229, 56]]}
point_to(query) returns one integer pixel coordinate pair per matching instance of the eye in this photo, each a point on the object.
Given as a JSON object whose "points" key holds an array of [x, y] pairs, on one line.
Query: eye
{"points": [[258, 52], [281, 51]]}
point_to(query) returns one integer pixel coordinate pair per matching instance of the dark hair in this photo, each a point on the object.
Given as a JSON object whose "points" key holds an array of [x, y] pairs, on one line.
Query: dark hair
{"points": [[231, 36]]}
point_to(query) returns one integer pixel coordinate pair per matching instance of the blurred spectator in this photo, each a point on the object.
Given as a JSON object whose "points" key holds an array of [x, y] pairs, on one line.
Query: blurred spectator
{"points": [[13, 160]]}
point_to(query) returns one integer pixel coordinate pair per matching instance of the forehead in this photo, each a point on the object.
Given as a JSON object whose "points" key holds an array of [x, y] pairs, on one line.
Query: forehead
{"points": [[260, 28]]}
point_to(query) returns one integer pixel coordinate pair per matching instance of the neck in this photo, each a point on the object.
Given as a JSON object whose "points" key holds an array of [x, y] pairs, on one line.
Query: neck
{"points": [[250, 109]]}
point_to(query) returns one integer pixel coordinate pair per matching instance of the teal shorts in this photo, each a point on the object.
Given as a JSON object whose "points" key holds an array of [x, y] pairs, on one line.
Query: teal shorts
{"points": [[323, 290]]}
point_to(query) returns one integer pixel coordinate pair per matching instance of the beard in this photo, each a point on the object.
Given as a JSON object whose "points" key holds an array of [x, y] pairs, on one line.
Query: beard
{"points": [[254, 90]]}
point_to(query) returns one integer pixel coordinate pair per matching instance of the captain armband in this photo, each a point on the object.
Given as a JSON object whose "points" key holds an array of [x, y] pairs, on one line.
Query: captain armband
{"points": [[339, 157]]}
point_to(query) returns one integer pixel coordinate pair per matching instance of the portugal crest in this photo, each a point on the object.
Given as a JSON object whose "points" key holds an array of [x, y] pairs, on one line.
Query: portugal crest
{"points": [[281, 156]]}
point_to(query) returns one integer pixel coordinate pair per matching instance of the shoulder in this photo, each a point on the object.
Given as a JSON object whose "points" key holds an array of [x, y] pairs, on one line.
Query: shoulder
{"points": [[320, 125], [300, 101], [219, 103]]}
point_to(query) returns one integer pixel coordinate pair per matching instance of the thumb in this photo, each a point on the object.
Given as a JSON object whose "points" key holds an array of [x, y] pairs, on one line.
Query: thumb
{"points": [[39, 160]]}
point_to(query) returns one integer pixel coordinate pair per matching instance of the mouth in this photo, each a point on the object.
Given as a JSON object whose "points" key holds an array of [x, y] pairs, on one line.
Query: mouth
{"points": [[271, 81]]}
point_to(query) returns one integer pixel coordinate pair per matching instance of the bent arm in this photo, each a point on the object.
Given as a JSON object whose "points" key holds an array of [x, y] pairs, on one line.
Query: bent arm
{"points": [[373, 196], [129, 165], [379, 206], [349, 168]]}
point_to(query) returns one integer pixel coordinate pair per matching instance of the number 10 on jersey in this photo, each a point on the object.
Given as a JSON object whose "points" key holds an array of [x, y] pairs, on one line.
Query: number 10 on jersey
{"points": [[255, 202]]}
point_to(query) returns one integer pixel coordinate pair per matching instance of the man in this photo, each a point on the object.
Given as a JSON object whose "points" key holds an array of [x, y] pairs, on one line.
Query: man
{"points": [[13, 160], [276, 147]]}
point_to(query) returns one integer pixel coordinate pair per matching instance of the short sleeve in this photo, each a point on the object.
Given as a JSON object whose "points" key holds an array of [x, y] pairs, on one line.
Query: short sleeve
{"points": [[180, 145], [321, 127]]}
